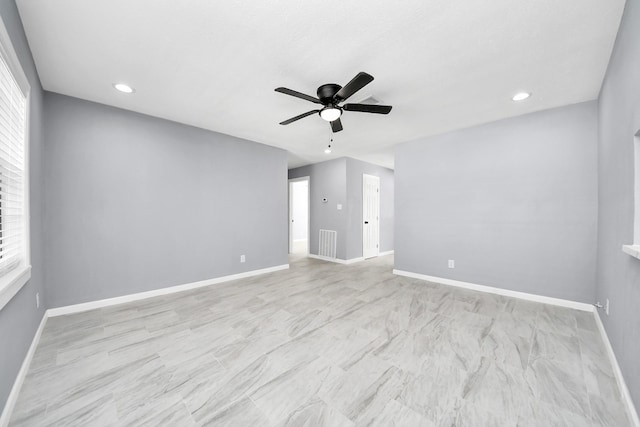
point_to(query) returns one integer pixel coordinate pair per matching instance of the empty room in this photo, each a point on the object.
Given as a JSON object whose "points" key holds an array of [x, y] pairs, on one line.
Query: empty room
{"points": [[244, 213]]}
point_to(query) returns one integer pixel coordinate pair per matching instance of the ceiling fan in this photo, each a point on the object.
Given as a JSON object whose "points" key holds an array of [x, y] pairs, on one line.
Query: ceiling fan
{"points": [[330, 95]]}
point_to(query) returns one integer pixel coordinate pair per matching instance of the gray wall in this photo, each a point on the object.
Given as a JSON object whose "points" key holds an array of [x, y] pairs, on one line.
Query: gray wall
{"points": [[340, 181], [619, 274], [136, 203], [19, 319], [327, 179], [513, 202], [355, 169]]}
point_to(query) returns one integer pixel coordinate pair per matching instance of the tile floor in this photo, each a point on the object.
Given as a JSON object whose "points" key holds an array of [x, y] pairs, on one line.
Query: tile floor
{"points": [[322, 344]]}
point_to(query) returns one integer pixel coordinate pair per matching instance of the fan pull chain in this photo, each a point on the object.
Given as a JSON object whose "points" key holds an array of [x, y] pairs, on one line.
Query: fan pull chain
{"points": [[328, 150]]}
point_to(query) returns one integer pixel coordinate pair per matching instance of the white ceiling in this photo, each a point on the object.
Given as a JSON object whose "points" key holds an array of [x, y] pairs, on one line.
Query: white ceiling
{"points": [[442, 64]]}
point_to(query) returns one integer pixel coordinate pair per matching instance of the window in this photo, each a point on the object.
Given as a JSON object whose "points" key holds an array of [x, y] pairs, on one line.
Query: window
{"points": [[15, 268]]}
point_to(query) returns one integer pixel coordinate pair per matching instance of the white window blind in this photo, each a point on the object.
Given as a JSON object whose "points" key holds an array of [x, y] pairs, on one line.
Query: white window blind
{"points": [[13, 118]]}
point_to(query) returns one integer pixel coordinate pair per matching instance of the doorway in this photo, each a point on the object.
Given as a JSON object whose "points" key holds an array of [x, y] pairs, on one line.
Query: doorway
{"points": [[299, 216], [370, 216]]}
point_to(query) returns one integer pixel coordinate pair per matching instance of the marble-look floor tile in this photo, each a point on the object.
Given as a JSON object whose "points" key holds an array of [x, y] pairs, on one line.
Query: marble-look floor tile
{"points": [[507, 348], [434, 392], [608, 412], [95, 412], [316, 413], [322, 344], [498, 388], [291, 390], [470, 414], [539, 414], [554, 384], [521, 325], [394, 414], [558, 320], [161, 412], [240, 413], [558, 349]]}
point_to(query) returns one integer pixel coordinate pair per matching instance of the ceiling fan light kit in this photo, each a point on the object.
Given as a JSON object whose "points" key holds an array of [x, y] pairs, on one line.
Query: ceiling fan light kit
{"points": [[330, 95], [330, 113]]}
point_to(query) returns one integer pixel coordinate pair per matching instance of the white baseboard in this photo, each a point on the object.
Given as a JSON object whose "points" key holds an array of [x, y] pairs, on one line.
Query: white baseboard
{"points": [[22, 373], [490, 289], [345, 261], [622, 385], [336, 260], [77, 308]]}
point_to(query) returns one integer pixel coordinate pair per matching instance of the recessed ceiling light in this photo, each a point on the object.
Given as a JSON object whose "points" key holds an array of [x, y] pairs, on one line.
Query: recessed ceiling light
{"points": [[123, 87], [521, 96]]}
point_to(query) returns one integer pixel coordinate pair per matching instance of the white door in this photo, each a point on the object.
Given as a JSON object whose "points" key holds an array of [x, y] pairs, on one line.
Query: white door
{"points": [[370, 216]]}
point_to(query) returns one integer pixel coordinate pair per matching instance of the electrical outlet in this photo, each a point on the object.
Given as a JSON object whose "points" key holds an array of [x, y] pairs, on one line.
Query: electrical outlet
{"points": [[452, 263], [37, 299], [242, 258], [606, 307]]}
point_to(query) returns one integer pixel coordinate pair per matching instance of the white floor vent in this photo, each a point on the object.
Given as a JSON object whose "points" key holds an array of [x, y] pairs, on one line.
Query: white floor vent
{"points": [[327, 243]]}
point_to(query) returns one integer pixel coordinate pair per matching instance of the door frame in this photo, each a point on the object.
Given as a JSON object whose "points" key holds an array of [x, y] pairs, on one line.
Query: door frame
{"points": [[291, 181], [377, 178]]}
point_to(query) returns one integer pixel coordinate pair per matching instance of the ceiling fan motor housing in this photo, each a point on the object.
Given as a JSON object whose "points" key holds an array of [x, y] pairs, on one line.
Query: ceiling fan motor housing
{"points": [[326, 93]]}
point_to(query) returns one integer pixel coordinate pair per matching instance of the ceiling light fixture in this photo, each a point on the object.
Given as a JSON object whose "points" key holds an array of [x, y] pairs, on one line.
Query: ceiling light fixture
{"points": [[327, 150], [521, 96], [123, 88], [330, 113]]}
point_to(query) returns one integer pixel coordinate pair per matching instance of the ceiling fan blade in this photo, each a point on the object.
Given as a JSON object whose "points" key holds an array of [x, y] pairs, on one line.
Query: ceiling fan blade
{"points": [[301, 116], [298, 94], [358, 82], [366, 108], [336, 125]]}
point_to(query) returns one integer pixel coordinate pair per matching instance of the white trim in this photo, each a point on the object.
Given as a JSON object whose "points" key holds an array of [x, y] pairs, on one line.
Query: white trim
{"points": [[385, 253], [499, 291], [622, 385], [17, 384], [77, 308], [12, 282], [336, 260], [633, 250]]}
